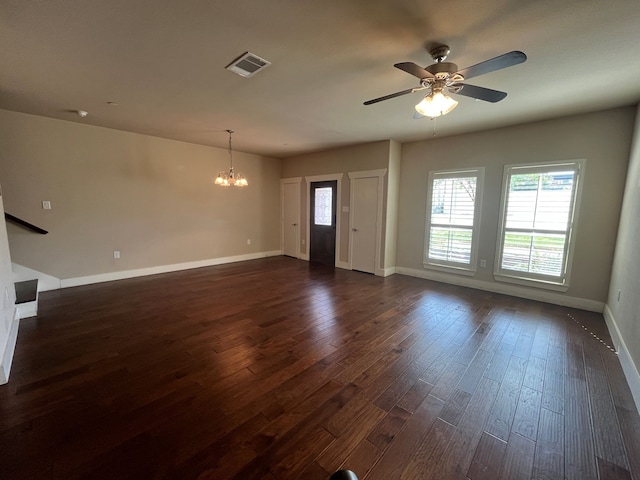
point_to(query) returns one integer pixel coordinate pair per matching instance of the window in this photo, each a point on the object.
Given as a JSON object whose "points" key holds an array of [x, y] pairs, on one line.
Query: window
{"points": [[453, 206], [323, 206], [538, 216]]}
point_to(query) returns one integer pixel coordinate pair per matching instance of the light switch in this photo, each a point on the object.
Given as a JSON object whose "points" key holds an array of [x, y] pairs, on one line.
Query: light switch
{"points": [[345, 209], [46, 205]]}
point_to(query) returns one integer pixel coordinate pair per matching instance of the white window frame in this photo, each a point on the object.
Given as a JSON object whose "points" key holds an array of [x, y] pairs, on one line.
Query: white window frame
{"points": [[442, 265], [562, 282]]}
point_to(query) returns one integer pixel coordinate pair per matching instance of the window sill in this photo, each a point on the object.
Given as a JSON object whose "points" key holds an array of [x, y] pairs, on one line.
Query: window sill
{"points": [[455, 270], [546, 285]]}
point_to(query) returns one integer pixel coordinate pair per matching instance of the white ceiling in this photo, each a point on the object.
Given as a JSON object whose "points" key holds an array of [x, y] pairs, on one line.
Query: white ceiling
{"points": [[163, 62]]}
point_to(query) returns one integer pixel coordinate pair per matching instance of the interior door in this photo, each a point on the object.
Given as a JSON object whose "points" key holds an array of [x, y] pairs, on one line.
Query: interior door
{"points": [[290, 219], [364, 220], [322, 217]]}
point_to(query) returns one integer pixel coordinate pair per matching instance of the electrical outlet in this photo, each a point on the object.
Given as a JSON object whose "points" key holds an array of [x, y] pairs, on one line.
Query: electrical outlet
{"points": [[303, 241], [248, 241], [116, 254], [483, 263]]}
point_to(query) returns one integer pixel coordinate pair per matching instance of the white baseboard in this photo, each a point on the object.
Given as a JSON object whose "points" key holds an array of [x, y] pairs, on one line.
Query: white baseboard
{"points": [[628, 367], [9, 349], [141, 272], [389, 271], [506, 289], [304, 256]]}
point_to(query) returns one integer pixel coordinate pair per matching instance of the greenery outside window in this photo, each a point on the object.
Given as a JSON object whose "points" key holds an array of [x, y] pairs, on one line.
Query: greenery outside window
{"points": [[538, 217], [453, 216]]}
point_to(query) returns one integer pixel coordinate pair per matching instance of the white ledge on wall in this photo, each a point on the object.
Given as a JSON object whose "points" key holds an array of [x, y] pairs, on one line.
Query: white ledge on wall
{"points": [[141, 272], [453, 270], [531, 283]]}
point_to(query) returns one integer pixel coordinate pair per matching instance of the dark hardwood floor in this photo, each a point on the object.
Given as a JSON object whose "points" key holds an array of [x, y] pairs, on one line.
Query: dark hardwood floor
{"points": [[279, 369]]}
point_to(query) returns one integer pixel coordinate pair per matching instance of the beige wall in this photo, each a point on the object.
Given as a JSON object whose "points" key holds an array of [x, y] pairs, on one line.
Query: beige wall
{"points": [[625, 276], [602, 138], [153, 200], [368, 156], [150, 198]]}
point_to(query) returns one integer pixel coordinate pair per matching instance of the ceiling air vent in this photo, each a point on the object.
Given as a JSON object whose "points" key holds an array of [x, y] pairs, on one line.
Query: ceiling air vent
{"points": [[248, 65]]}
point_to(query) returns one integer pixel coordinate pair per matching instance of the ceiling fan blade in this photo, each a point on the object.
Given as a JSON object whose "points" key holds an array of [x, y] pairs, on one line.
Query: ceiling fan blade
{"points": [[493, 64], [391, 95], [479, 93], [413, 69]]}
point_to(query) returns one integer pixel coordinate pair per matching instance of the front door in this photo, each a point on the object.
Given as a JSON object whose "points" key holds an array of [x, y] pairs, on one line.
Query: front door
{"points": [[322, 231]]}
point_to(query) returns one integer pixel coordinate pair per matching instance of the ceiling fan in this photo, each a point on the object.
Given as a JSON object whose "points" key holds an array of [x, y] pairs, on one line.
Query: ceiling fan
{"points": [[443, 76]]}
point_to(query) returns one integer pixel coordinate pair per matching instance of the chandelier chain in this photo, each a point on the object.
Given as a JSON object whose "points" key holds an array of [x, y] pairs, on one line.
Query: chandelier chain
{"points": [[230, 150]]}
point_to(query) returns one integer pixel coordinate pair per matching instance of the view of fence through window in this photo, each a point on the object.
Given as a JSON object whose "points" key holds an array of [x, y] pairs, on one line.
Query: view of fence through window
{"points": [[537, 221], [452, 212], [323, 207]]}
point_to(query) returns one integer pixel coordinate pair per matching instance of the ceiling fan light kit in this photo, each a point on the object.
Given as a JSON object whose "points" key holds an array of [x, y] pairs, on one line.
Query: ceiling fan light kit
{"points": [[436, 104], [441, 76]]}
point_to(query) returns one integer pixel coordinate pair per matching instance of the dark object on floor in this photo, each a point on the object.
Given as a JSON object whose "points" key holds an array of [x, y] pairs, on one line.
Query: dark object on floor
{"points": [[26, 291], [344, 475]]}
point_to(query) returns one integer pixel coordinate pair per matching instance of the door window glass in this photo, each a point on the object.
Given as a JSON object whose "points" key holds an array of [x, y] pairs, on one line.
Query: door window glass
{"points": [[323, 199]]}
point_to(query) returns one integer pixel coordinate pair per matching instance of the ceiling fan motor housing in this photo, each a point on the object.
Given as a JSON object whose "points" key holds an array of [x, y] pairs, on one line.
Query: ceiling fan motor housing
{"points": [[440, 53], [446, 68]]}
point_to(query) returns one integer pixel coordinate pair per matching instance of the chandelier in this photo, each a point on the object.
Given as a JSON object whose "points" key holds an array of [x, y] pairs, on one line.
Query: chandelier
{"points": [[224, 178]]}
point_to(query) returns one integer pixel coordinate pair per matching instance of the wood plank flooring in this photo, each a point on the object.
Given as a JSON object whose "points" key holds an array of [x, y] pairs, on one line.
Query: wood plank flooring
{"points": [[278, 369]]}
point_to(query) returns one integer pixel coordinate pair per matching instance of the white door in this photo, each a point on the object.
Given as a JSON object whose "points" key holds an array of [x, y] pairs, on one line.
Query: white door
{"points": [[290, 219], [364, 215]]}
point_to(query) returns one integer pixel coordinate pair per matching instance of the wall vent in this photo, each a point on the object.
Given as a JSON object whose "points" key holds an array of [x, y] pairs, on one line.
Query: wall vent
{"points": [[248, 64]]}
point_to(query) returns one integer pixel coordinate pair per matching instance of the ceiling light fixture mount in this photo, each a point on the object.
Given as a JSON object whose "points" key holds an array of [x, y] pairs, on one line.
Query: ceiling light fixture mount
{"points": [[230, 178]]}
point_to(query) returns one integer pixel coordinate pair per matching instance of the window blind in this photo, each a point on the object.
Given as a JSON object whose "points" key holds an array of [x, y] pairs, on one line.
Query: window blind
{"points": [[538, 213], [452, 219]]}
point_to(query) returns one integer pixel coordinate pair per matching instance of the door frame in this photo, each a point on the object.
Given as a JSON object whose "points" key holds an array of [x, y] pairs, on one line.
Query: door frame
{"points": [[283, 181], [324, 178], [379, 174]]}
